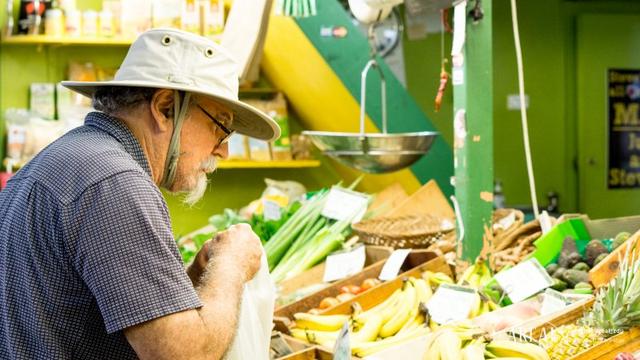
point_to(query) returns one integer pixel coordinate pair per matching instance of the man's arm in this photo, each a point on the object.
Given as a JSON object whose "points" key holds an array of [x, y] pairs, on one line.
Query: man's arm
{"points": [[207, 332]]}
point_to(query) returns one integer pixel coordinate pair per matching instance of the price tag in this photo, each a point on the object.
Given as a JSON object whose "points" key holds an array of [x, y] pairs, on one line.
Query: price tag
{"points": [[342, 348], [553, 301], [451, 303], [524, 280], [339, 266], [271, 210], [343, 204], [393, 264]]}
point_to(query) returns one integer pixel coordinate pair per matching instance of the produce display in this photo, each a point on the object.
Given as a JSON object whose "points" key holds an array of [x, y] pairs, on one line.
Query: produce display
{"points": [[463, 341], [571, 272], [616, 309], [397, 319]]}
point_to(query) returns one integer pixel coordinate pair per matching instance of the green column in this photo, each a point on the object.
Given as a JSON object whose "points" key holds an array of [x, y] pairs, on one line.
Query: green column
{"points": [[472, 77]]}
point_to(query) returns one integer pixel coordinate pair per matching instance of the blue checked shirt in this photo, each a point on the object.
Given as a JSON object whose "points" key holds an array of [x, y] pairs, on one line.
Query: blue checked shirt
{"points": [[86, 249]]}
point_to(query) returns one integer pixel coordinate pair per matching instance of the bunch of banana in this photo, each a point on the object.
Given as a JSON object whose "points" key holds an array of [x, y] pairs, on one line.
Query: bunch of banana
{"points": [[463, 342], [399, 318], [436, 279], [477, 275]]}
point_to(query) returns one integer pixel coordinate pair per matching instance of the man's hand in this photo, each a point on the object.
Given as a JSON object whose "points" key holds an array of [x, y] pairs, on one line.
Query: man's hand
{"points": [[239, 243], [221, 268]]}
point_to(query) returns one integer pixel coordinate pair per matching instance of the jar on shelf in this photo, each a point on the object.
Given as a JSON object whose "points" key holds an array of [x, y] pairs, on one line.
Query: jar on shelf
{"points": [[107, 28], [53, 23], [90, 23], [73, 23]]}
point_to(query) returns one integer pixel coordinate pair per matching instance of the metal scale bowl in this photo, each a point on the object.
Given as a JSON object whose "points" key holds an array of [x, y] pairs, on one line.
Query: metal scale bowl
{"points": [[373, 152]]}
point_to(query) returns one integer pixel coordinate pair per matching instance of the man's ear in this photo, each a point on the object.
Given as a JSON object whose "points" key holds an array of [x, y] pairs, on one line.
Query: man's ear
{"points": [[161, 107]]}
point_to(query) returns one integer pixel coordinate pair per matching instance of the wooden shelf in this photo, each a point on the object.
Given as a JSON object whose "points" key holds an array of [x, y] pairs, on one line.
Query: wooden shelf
{"points": [[249, 164], [65, 40]]}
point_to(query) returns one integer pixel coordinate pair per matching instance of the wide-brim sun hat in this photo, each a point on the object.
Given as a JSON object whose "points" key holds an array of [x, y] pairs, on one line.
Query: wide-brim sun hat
{"points": [[173, 59]]}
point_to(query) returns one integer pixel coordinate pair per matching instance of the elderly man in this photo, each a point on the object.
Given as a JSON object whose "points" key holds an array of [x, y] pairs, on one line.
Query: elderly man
{"points": [[89, 268]]}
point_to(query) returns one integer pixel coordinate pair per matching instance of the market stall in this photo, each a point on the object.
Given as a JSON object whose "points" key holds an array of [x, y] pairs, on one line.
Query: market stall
{"points": [[381, 240]]}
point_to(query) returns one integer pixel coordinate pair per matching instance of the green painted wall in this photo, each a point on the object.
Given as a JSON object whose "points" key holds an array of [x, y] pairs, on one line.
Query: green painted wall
{"points": [[547, 36]]}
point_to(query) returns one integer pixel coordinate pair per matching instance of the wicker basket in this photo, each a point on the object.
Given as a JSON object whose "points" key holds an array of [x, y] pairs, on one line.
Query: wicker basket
{"points": [[405, 232]]}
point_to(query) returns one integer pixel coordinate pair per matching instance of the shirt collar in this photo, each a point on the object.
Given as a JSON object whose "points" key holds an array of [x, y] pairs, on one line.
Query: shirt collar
{"points": [[120, 132]]}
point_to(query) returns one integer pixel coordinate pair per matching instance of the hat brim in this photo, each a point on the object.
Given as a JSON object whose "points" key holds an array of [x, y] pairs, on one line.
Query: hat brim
{"points": [[247, 119]]}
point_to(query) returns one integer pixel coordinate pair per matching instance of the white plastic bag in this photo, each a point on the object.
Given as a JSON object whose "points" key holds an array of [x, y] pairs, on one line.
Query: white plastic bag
{"points": [[256, 318]]}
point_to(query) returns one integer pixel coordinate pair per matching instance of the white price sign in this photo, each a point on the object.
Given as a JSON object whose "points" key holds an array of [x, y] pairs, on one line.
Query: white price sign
{"points": [[451, 303], [524, 280], [339, 266], [553, 301], [393, 264], [342, 204]]}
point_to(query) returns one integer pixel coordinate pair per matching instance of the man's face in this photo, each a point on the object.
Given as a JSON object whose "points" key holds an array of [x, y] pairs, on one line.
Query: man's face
{"points": [[200, 147]]}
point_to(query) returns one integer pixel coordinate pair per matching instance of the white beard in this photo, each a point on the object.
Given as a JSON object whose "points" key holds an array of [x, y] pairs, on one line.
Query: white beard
{"points": [[200, 187]]}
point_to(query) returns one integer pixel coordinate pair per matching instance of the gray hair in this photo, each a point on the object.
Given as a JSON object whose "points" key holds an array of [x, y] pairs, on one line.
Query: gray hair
{"points": [[114, 99]]}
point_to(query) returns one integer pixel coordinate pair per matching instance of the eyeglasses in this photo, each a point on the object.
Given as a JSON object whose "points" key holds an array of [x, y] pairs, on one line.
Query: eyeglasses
{"points": [[227, 132]]}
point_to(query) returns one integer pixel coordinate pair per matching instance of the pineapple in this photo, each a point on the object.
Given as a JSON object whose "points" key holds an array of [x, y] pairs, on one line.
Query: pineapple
{"points": [[616, 309], [568, 340]]}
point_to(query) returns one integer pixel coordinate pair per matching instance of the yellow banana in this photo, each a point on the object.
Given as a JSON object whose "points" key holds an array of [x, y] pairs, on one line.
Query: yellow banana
{"points": [[384, 309], [324, 338], [372, 347], [431, 345], [422, 294], [403, 311], [320, 322], [473, 351], [477, 306], [485, 307], [449, 345], [435, 279], [370, 330], [467, 274], [416, 322], [507, 348], [423, 290]]}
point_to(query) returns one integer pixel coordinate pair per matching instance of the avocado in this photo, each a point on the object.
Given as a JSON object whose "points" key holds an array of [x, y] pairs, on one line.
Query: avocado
{"points": [[600, 258], [583, 285], [551, 268], [559, 273], [594, 249], [620, 239], [568, 253], [582, 266], [558, 284], [573, 277]]}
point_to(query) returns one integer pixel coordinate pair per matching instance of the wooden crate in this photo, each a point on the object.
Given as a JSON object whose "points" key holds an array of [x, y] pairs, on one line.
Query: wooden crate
{"points": [[280, 343], [606, 350], [312, 353], [423, 261], [415, 258], [374, 255], [607, 269]]}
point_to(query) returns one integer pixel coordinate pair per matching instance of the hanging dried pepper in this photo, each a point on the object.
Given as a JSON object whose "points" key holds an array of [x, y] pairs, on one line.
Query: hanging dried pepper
{"points": [[444, 78]]}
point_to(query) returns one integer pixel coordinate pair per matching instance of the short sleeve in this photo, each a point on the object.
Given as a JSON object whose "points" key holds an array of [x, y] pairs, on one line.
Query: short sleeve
{"points": [[125, 252]]}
